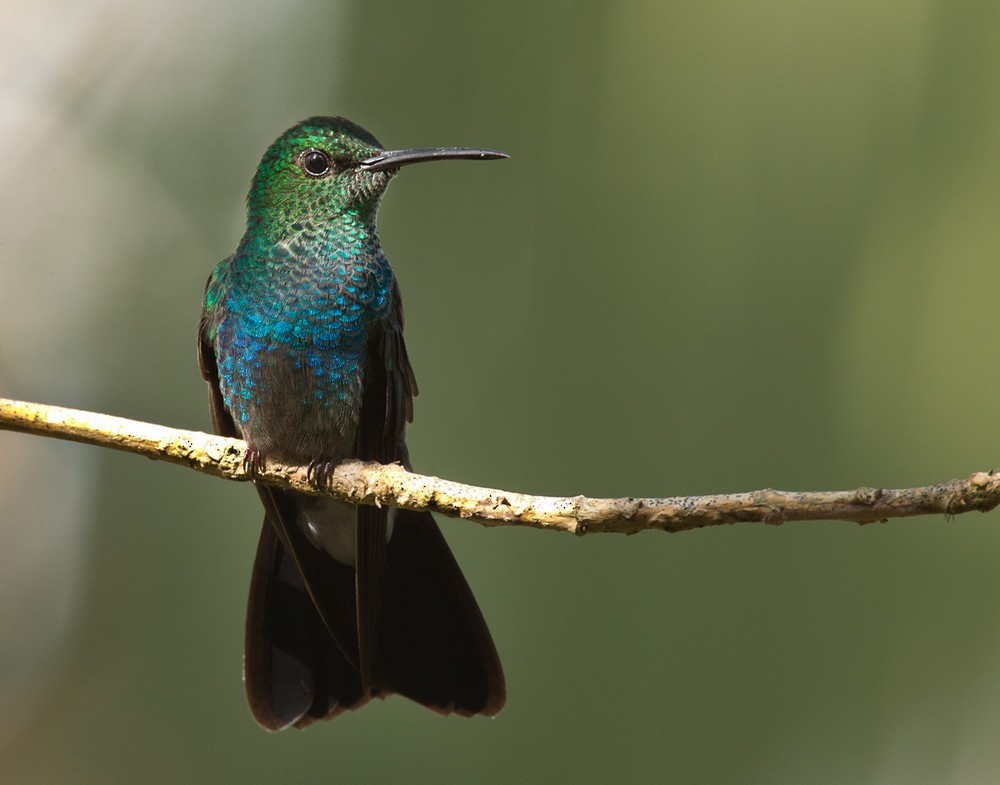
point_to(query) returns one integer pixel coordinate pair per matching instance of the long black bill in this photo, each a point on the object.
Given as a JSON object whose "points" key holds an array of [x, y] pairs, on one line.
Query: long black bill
{"points": [[393, 159]]}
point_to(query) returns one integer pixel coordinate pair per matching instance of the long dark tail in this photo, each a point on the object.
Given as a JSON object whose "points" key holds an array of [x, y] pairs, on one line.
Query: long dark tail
{"points": [[301, 659], [293, 670], [434, 646]]}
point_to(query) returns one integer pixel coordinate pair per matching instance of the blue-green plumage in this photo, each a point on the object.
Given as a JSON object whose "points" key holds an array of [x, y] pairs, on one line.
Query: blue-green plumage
{"points": [[292, 324], [301, 343]]}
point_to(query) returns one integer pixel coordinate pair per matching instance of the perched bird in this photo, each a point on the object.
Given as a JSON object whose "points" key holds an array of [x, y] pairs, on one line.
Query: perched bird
{"points": [[301, 343]]}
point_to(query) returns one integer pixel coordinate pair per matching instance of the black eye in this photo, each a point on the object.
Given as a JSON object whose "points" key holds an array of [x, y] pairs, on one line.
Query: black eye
{"points": [[315, 163]]}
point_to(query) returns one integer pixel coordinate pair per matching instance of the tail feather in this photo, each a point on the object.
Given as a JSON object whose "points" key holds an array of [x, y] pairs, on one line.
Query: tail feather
{"points": [[301, 661], [293, 670], [434, 647]]}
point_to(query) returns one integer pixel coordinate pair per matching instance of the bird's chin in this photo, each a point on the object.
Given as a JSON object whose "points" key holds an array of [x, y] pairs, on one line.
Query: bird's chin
{"points": [[368, 188]]}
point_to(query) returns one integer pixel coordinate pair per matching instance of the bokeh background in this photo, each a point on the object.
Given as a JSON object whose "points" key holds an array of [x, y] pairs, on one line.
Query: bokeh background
{"points": [[737, 245]]}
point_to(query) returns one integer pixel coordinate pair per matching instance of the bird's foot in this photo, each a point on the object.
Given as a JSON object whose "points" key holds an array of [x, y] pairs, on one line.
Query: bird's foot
{"points": [[253, 463], [319, 473]]}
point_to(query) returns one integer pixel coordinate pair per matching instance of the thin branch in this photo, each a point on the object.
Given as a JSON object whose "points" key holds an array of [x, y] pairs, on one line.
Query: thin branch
{"points": [[372, 483]]}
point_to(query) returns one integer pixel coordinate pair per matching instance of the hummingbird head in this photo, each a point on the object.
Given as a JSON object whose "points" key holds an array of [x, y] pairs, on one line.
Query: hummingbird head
{"points": [[327, 167]]}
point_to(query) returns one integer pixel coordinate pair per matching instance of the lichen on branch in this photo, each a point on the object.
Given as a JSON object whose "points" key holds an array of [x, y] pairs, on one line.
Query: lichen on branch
{"points": [[372, 483]]}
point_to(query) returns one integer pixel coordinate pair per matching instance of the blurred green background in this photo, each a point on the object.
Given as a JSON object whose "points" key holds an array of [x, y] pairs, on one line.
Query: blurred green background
{"points": [[736, 245]]}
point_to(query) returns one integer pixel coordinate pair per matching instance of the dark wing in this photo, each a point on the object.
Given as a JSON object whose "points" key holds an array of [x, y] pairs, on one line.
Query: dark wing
{"points": [[386, 408], [222, 422], [433, 645]]}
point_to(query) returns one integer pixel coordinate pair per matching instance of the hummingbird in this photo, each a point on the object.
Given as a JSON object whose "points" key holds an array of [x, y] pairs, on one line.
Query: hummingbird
{"points": [[301, 344]]}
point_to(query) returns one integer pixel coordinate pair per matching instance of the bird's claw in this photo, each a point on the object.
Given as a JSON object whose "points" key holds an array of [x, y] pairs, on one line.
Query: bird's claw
{"points": [[253, 463], [319, 472]]}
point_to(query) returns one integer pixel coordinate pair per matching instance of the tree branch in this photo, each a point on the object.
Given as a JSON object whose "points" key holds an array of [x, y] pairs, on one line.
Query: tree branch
{"points": [[373, 483]]}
